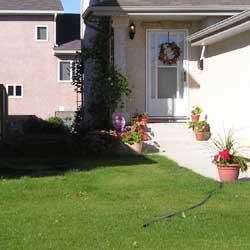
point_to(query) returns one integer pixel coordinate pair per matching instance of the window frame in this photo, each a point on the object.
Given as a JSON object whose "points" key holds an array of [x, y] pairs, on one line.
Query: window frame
{"points": [[36, 33], [59, 71], [14, 91]]}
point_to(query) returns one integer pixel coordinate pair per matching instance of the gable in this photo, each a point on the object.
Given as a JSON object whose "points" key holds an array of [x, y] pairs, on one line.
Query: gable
{"points": [[36, 5]]}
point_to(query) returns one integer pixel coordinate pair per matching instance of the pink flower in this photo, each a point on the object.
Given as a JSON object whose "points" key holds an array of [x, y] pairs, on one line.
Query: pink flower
{"points": [[225, 155], [145, 137], [216, 158]]}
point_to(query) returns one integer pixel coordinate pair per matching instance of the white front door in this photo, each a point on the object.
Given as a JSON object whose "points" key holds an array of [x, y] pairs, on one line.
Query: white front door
{"points": [[166, 84]]}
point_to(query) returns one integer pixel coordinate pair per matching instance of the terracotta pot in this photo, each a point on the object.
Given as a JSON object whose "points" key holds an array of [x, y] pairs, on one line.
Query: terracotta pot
{"points": [[202, 136], [229, 173], [195, 118], [136, 147]]}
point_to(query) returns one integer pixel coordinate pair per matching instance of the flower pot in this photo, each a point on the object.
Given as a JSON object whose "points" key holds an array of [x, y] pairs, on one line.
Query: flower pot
{"points": [[137, 148], [229, 173], [202, 136], [195, 118]]}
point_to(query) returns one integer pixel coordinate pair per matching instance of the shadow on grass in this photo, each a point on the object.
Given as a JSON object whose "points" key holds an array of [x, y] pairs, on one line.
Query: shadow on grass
{"points": [[16, 168]]}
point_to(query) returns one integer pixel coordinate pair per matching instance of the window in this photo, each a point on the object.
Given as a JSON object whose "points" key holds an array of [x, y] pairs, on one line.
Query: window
{"points": [[65, 71], [42, 33], [15, 90]]}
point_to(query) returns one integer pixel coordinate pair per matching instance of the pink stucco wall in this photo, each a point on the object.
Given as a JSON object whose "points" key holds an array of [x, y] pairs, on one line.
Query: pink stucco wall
{"points": [[33, 64]]}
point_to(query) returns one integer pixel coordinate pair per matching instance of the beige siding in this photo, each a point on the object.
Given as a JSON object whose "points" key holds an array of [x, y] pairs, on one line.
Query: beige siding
{"points": [[226, 88]]}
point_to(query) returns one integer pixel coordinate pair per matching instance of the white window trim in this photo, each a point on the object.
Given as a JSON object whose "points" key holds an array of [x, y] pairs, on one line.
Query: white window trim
{"points": [[14, 91], [71, 71], [47, 33]]}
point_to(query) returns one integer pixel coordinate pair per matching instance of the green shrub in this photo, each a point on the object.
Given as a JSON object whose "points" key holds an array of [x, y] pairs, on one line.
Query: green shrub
{"points": [[56, 121], [37, 126], [96, 142]]}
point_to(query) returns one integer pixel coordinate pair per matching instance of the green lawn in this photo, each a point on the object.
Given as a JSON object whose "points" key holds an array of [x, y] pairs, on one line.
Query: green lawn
{"points": [[106, 206]]}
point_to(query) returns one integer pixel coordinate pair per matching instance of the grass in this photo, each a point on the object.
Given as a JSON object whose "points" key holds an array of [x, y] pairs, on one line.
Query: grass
{"points": [[106, 206]]}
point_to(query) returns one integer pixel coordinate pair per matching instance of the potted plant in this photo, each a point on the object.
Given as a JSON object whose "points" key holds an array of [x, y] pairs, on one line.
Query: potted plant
{"points": [[134, 137], [202, 131], [195, 113], [140, 119], [191, 124], [228, 158]]}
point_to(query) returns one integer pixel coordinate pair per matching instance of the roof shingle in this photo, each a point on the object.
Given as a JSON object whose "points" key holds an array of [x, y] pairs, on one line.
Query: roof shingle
{"points": [[36, 5]]}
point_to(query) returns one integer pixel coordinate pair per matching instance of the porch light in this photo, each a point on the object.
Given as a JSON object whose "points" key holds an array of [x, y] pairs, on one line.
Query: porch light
{"points": [[132, 30]]}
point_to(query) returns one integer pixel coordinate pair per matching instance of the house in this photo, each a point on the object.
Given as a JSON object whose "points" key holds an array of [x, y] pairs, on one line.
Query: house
{"points": [[225, 78], [177, 54], [38, 45]]}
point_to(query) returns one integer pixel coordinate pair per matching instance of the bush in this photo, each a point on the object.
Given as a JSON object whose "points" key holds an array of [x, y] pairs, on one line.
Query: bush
{"points": [[96, 142], [55, 121], [37, 126], [33, 125], [30, 146]]}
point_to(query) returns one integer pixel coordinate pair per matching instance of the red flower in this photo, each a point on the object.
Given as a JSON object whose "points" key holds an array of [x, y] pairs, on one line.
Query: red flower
{"points": [[145, 137], [216, 158], [129, 137], [225, 155], [141, 131], [119, 135]]}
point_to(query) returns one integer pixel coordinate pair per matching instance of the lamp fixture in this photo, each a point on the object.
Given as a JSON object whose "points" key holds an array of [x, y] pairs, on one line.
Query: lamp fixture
{"points": [[132, 30]]}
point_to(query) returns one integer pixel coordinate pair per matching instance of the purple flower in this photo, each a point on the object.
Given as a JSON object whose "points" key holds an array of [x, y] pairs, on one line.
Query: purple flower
{"points": [[126, 129]]}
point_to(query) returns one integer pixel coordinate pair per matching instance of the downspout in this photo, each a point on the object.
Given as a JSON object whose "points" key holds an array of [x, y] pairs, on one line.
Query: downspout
{"points": [[55, 30], [201, 62], [203, 52]]}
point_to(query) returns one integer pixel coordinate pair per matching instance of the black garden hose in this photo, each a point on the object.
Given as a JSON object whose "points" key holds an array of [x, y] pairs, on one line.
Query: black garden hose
{"points": [[199, 204]]}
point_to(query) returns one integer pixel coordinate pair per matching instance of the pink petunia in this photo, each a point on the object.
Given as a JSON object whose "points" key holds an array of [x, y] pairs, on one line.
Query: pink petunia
{"points": [[225, 155], [216, 158]]}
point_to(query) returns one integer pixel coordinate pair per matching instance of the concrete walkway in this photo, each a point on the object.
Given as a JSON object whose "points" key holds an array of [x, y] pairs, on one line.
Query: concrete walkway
{"points": [[177, 142]]}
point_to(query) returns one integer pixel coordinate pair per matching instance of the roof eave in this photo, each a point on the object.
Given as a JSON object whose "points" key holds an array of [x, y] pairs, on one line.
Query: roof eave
{"points": [[222, 35], [157, 10], [221, 30], [30, 12], [66, 52]]}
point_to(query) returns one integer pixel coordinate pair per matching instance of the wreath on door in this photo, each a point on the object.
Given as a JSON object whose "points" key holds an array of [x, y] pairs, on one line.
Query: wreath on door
{"points": [[169, 53]]}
